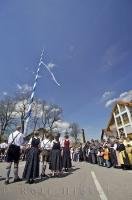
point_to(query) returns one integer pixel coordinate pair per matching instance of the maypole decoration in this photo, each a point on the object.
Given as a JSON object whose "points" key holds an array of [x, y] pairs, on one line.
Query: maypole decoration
{"points": [[41, 63]]}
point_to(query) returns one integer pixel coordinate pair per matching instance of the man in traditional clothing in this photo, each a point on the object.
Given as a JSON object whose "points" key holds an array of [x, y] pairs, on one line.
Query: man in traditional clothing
{"points": [[45, 154], [15, 140]]}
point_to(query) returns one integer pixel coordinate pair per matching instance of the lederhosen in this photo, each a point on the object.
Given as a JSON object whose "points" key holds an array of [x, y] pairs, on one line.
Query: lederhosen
{"points": [[13, 152], [45, 154]]}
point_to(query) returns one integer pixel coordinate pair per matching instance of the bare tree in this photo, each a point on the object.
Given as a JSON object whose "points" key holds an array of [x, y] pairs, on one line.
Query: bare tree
{"points": [[36, 114], [44, 114], [22, 103], [54, 115], [50, 114], [75, 131], [7, 117]]}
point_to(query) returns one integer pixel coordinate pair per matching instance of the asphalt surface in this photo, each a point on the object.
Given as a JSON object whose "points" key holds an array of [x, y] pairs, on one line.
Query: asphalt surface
{"points": [[83, 182]]}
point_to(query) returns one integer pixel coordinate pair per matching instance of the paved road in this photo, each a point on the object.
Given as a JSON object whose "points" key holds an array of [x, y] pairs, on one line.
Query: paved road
{"points": [[84, 182]]}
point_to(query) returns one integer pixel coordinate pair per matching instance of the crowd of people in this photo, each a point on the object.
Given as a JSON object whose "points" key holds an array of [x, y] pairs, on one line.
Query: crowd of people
{"points": [[115, 153], [47, 151], [57, 154]]}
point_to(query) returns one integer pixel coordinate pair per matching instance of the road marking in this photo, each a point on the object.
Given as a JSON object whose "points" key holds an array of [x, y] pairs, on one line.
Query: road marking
{"points": [[98, 186]]}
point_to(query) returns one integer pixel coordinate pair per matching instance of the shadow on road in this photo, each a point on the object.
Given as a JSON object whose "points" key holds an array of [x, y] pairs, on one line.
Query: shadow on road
{"points": [[70, 172], [4, 178], [39, 180], [65, 174], [74, 169]]}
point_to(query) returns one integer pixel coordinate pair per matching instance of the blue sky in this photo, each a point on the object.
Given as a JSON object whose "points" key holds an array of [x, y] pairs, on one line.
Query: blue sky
{"points": [[90, 43]]}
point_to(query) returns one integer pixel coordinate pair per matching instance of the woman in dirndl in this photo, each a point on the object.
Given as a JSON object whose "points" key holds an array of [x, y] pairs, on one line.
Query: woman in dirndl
{"points": [[31, 170], [66, 154], [56, 159]]}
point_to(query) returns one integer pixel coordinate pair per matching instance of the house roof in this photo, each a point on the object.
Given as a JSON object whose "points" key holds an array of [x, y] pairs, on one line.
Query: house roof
{"points": [[106, 133], [129, 104], [125, 103], [111, 120]]}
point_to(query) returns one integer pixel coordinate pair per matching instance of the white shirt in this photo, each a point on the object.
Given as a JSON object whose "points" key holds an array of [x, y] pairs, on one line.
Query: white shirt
{"points": [[61, 140], [98, 154], [115, 146], [30, 141], [46, 144], [71, 150], [3, 145], [19, 140]]}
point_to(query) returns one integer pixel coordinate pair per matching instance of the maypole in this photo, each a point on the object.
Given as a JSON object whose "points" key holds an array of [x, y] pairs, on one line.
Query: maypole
{"points": [[40, 65]]}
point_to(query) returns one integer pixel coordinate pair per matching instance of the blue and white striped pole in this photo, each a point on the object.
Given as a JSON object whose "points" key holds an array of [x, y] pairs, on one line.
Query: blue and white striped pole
{"points": [[41, 63]]}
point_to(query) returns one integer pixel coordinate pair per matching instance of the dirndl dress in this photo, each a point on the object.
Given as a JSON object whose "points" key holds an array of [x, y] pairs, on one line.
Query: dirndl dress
{"points": [[31, 170], [55, 157], [66, 155]]}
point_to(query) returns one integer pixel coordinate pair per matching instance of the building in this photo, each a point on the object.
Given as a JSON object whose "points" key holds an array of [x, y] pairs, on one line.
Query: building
{"points": [[107, 134], [121, 119]]}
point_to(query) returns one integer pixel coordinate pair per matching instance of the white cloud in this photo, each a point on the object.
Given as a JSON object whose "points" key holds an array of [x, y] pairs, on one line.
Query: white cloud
{"points": [[107, 95], [24, 88], [125, 96], [19, 86], [24, 105], [110, 102], [55, 110], [20, 106], [61, 126], [51, 65], [4, 93]]}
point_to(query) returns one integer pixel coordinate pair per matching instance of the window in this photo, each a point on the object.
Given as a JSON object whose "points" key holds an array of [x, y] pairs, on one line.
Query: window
{"points": [[119, 122], [125, 118], [116, 110], [122, 108]]}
